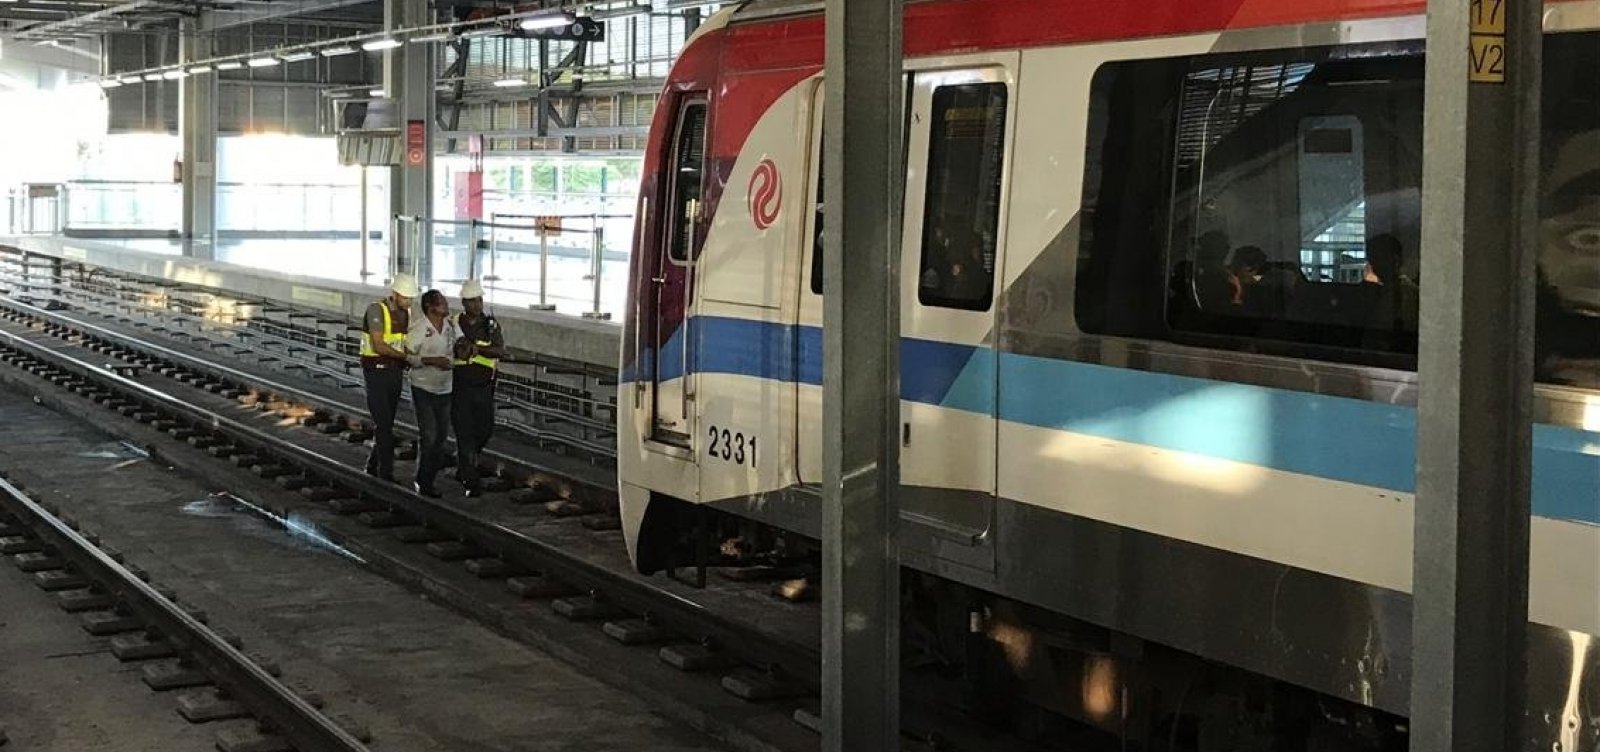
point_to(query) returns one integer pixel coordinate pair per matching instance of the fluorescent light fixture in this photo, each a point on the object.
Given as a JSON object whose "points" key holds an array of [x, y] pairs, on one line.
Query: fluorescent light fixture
{"points": [[551, 21], [443, 36], [199, 69], [131, 79], [483, 31], [152, 76], [507, 83], [343, 49], [377, 93], [229, 65], [386, 43], [296, 56], [174, 74], [110, 83], [262, 62]]}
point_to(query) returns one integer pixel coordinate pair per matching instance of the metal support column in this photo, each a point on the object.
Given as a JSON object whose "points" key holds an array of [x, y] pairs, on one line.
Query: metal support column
{"points": [[1475, 369], [197, 125], [865, 179], [408, 77]]}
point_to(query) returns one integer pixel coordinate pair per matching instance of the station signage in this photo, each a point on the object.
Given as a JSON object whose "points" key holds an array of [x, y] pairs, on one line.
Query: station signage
{"points": [[416, 143], [1488, 52], [582, 29]]}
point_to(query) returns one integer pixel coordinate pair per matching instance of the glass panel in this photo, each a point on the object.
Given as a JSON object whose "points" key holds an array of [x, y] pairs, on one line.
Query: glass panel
{"points": [[961, 209], [689, 160]]}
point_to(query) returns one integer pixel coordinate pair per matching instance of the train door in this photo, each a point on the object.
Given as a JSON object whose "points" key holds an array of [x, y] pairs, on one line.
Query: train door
{"points": [[808, 343], [673, 285], [955, 180]]}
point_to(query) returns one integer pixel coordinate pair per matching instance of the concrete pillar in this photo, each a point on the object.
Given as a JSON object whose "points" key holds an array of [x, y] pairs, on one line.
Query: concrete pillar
{"points": [[197, 127], [1475, 375], [864, 183], [408, 78]]}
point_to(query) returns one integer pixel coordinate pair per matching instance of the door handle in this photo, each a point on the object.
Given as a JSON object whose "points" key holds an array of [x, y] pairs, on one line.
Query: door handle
{"points": [[905, 434]]}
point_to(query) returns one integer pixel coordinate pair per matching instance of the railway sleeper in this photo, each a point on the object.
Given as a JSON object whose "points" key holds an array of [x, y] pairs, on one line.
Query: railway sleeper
{"points": [[694, 657], [539, 587], [207, 705], [761, 686], [636, 632], [586, 608]]}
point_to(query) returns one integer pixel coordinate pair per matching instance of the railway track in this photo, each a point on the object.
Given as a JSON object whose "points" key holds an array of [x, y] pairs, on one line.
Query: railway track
{"points": [[115, 599], [558, 405], [584, 577]]}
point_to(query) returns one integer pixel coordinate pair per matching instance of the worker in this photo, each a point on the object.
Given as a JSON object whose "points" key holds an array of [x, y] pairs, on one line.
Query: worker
{"points": [[477, 360], [383, 365], [430, 344]]}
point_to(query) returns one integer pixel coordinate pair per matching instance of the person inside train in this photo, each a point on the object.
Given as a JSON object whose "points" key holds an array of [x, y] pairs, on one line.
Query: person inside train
{"points": [[383, 363], [430, 344], [1213, 282], [1390, 299], [1245, 271]]}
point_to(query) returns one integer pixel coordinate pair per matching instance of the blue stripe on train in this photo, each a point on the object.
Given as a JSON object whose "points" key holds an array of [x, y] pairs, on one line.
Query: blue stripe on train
{"points": [[1356, 441]]}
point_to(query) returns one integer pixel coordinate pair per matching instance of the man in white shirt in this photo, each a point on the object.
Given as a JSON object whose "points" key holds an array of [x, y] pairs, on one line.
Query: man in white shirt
{"points": [[429, 346]]}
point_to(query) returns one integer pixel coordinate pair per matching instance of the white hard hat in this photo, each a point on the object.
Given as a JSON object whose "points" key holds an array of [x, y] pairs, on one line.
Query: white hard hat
{"points": [[404, 285], [471, 289]]}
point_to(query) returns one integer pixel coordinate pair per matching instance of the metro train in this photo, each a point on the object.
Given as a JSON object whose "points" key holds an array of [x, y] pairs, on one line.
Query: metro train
{"points": [[1159, 334]]}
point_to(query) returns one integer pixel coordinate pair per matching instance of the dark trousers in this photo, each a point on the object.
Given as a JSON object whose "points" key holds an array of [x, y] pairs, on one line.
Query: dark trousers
{"points": [[433, 422], [383, 400], [473, 414]]}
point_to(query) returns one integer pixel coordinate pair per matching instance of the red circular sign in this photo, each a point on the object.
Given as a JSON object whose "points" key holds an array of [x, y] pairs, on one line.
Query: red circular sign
{"points": [[766, 194]]}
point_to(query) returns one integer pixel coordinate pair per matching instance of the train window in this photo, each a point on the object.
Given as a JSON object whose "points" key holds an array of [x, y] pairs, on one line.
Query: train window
{"points": [[1271, 202], [961, 208], [689, 154], [1296, 198], [1273, 196], [1567, 341], [816, 226]]}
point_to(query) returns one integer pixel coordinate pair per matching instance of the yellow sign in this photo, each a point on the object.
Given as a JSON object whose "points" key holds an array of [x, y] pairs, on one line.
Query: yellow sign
{"points": [[1488, 53], [1488, 59], [1489, 17]]}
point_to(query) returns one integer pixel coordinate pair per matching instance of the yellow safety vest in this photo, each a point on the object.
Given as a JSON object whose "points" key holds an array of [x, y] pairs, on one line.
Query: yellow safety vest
{"points": [[489, 363], [396, 340]]}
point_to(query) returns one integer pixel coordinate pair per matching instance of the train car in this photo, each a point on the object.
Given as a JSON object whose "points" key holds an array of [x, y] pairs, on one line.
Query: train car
{"points": [[1159, 313]]}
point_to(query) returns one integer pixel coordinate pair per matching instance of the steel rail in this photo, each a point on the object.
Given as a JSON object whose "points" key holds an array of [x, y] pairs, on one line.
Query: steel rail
{"points": [[289, 715], [220, 370], [629, 592]]}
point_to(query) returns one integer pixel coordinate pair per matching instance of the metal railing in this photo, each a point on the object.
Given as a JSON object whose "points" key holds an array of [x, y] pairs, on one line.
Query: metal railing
{"points": [[482, 243]]}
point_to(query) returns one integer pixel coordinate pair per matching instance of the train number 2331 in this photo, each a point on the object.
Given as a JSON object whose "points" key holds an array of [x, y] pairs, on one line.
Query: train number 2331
{"points": [[732, 446]]}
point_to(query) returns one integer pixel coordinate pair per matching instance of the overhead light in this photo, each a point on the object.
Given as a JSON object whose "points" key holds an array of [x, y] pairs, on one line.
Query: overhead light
{"points": [[174, 74], [199, 69], [377, 93], [110, 83], [551, 21], [296, 56], [152, 76], [631, 9], [507, 83], [443, 36], [262, 62], [386, 43], [483, 31], [131, 79], [229, 65], [343, 49]]}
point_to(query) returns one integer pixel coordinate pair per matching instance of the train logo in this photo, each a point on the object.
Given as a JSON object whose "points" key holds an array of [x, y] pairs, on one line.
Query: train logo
{"points": [[766, 194]]}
